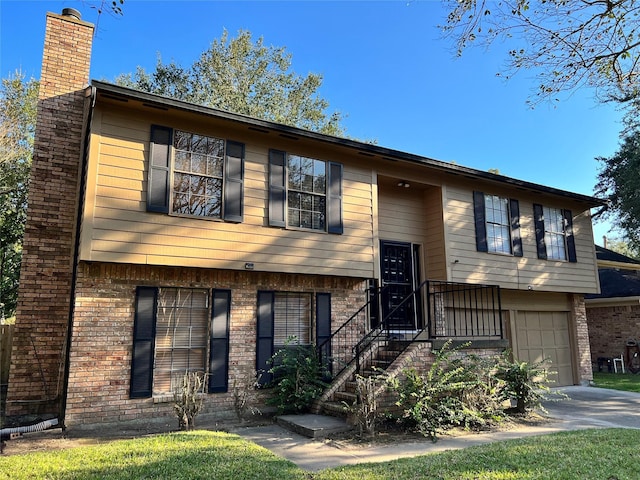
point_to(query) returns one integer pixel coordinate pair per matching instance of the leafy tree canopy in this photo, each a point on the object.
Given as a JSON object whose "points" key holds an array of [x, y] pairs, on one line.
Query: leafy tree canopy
{"points": [[18, 100], [246, 77], [570, 43], [619, 183]]}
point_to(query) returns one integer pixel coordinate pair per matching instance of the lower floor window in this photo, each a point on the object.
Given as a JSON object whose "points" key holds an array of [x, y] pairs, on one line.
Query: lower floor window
{"points": [[181, 336], [291, 319], [179, 331]]}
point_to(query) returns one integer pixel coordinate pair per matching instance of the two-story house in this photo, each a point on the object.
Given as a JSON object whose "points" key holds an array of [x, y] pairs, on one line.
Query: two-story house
{"points": [[165, 237]]}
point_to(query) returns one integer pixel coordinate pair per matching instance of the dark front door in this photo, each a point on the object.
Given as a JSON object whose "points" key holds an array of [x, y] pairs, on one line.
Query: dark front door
{"points": [[398, 282]]}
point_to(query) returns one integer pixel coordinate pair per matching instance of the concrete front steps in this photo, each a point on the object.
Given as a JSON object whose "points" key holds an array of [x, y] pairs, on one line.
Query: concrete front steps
{"points": [[313, 426]]}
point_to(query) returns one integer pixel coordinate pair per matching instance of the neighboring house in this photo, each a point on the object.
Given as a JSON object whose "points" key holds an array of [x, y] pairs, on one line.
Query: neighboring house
{"points": [[164, 236], [614, 314]]}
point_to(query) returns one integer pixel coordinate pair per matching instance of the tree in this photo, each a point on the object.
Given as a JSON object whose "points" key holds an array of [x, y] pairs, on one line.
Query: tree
{"points": [[18, 100], [619, 183], [244, 77], [571, 43], [622, 247]]}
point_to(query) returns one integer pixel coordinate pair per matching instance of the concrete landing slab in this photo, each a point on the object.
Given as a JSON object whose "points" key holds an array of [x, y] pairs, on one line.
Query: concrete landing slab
{"points": [[313, 426]]}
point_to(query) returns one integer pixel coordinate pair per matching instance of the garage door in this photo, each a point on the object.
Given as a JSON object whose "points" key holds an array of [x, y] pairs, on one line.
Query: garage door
{"points": [[541, 335]]}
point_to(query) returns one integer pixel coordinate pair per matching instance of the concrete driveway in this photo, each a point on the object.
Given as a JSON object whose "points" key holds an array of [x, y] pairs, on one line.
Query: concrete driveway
{"points": [[589, 407], [586, 407]]}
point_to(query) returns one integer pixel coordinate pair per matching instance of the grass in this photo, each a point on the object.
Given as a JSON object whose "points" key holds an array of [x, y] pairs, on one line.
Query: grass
{"points": [[587, 454], [628, 382]]}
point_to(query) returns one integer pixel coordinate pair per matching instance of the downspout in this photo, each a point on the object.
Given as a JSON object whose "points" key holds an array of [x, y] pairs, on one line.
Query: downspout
{"points": [[90, 98]]}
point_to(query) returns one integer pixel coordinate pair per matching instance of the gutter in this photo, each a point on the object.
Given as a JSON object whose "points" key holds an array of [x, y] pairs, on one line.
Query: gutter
{"points": [[90, 100], [612, 301], [124, 94]]}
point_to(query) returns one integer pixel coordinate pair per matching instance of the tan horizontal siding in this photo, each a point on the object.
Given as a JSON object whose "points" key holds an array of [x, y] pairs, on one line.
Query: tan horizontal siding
{"points": [[514, 272], [118, 228]]}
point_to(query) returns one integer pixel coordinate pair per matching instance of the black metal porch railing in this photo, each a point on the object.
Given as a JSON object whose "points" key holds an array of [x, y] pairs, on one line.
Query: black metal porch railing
{"points": [[463, 310], [453, 310], [337, 352]]}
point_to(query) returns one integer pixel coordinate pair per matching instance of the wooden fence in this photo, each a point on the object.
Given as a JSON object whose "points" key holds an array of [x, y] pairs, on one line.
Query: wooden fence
{"points": [[6, 336]]}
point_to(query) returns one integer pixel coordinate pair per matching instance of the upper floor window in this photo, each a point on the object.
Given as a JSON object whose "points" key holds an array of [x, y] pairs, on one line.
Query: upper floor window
{"points": [[554, 233], [196, 175], [307, 188], [497, 222], [498, 225], [305, 193]]}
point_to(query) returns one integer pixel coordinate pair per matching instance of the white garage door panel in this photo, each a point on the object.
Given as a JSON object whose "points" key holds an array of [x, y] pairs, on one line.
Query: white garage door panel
{"points": [[543, 335]]}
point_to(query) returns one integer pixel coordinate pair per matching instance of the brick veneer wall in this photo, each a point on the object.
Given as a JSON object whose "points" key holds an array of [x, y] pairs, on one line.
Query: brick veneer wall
{"points": [[100, 358], [583, 350], [609, 329], [35, 378]]}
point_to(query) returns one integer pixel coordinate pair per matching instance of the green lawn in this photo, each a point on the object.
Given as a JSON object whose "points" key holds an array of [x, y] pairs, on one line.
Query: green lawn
{"points": [[588, 454], [617, 381]]}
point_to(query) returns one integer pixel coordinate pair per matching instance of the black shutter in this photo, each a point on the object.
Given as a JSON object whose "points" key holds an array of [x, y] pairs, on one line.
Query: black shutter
{"points": [[234, 182], [323, 327], [334, 199], [481, 226], [264, 345], [538, 220], [568, 230], [159, 169], [144, 326], [277, 188], [516, 239], [219, 342]]}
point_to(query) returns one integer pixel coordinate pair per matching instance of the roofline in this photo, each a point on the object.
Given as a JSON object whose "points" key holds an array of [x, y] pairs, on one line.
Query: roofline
{"points": [[364, 148], [609, 301], [617, 265]]}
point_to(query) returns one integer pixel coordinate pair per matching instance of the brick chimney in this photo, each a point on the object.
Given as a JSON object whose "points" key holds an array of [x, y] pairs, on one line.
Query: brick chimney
{"points": [[36, 378]]}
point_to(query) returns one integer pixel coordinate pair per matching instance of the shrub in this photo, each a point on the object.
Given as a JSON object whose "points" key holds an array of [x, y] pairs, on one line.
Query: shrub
{"points": [[297, 378], [453, 392], [187, 399], [525, 383], [364, 410], [244, 393]]}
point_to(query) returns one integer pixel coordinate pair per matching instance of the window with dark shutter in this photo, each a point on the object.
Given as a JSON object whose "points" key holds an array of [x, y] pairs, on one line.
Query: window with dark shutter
{"points": [[538, 221], [571, 242], [480, 222], [195, 175], [323, 327], [234, 182], [159, 169], [219, 341], [264, 343], [305, 193], [334, 199], [144, 327], [277, 188], [516, 239]]}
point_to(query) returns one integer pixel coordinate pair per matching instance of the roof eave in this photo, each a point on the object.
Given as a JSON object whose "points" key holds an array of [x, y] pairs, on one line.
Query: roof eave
{"points": [[365, 148]]}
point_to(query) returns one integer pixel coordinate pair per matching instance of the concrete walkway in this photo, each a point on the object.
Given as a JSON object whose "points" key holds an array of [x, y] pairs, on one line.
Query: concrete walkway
{"points": [[586, 407]]}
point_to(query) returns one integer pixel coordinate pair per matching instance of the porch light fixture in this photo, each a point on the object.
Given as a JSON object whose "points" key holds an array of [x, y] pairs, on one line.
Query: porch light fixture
{"points": [[404, 184]]}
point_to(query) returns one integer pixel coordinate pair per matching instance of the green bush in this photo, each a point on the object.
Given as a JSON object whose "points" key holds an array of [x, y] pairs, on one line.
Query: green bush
{"points": [[297, 378], [527, 384], [453, 392]]}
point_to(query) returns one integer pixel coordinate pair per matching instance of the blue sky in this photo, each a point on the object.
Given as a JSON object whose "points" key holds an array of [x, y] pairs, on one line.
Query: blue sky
{"points": [[385, 66]]}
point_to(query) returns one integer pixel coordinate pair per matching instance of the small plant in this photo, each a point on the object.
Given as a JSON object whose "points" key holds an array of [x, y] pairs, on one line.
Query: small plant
{"points": [[244, 391], [187, 399], [365, 408], [297, 378], [527, 384]]}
